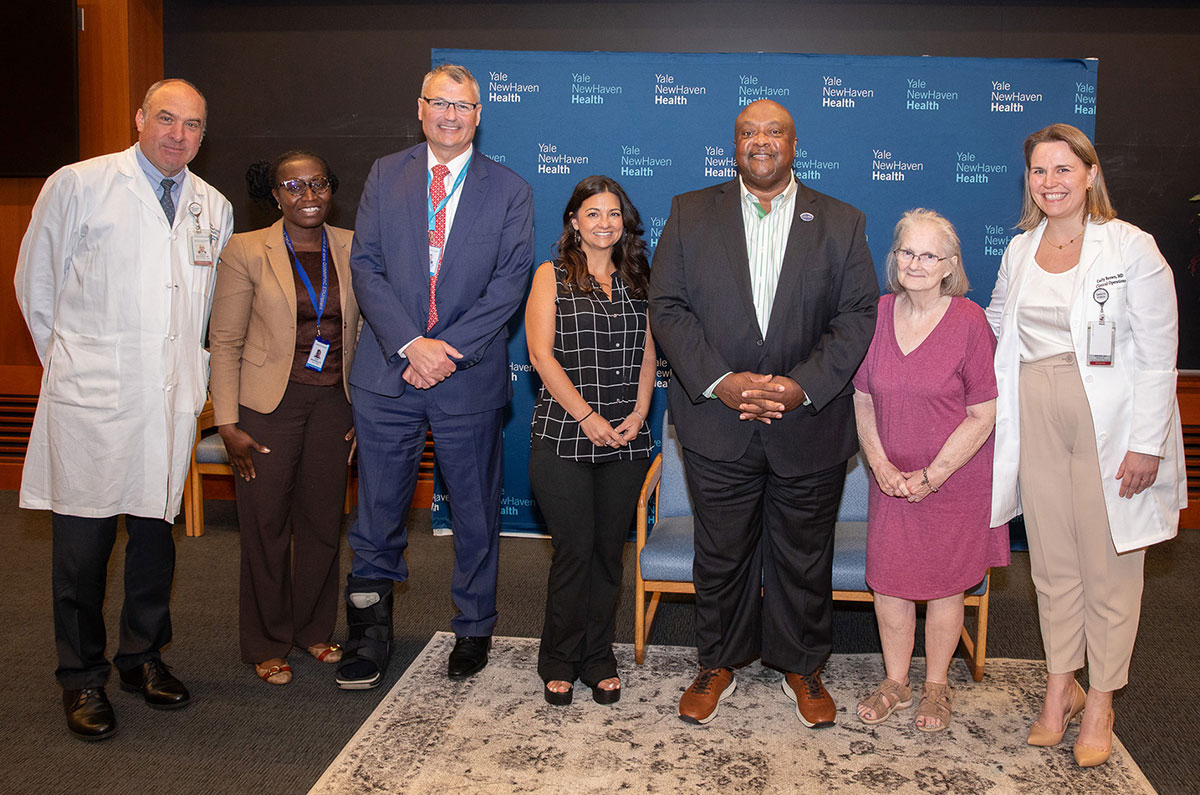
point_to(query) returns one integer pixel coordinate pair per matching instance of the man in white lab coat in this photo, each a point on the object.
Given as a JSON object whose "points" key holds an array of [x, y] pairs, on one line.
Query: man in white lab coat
{"points": [[115, 279]]}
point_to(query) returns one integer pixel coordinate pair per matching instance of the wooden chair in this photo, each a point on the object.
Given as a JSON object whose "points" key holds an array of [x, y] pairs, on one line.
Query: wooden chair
{"points": [[664, 545], [210, 458]]}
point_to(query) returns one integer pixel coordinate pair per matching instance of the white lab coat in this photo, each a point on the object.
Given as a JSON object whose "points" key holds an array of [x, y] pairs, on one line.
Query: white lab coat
{"points": [[1133, 402], [117, 313]]}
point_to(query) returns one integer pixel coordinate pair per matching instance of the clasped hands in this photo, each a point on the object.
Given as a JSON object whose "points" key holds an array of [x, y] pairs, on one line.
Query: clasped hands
{"points": [[759, 396], [430, 362], [912, 486], [601, 433]]}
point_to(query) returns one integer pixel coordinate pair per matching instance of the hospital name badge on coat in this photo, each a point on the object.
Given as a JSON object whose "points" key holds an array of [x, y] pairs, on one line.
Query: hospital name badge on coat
{"points": [[200, 243], [1101, 336]]}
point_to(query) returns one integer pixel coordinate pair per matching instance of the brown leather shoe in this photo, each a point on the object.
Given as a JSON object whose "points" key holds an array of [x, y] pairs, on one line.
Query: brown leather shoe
{"points": [[814, 705], [699, 703]]}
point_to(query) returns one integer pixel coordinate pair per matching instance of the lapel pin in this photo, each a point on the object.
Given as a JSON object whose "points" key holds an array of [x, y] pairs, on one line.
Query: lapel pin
{"points": [[806, 216]]}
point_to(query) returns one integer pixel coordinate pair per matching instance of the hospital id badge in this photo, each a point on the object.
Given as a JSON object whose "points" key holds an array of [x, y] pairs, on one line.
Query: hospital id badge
{"points": [[1100, 339], [200, 244], [316, 357]]}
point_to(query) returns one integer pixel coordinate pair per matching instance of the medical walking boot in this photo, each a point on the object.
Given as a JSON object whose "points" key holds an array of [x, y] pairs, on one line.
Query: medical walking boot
{"points": [[369, 642]]}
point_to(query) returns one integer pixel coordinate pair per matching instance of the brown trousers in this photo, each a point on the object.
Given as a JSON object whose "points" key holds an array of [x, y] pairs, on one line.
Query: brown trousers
{"points": [[290, 516], [1089, 597]]}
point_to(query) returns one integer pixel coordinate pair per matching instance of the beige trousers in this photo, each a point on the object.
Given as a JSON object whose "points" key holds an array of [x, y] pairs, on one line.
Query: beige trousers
{"points": [[1089, 597]]}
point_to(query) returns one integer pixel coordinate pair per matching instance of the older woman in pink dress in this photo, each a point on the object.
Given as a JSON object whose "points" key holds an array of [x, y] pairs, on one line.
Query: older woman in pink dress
{"points": [[925, 404]]}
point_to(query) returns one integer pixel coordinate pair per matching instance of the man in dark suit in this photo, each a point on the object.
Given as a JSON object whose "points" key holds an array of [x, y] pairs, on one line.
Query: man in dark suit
{"points": [[763, 297], [443, 244]]}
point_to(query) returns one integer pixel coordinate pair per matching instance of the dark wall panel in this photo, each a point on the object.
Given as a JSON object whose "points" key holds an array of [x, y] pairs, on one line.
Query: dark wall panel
{"points": [[342, 78]]}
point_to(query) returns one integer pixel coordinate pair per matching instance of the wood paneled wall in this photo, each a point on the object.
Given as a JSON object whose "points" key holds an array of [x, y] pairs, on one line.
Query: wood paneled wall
{"points": [[120, 55]]}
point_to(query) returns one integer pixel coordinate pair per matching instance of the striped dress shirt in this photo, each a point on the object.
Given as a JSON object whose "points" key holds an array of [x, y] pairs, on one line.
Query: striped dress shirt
{"points": [[766, 240]]}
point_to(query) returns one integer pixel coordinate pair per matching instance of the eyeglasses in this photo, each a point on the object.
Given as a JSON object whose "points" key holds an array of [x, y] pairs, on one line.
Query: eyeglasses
{"points": [[905, 257], [296, 187], [442, 105]]}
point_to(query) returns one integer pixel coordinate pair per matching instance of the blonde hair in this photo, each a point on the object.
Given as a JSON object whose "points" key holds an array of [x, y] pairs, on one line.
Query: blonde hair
{"points": [[955, 282], [1097, 205]]}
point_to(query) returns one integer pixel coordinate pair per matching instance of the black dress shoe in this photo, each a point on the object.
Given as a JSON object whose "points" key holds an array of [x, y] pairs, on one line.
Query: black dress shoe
{"points": [[156, 684], [469, 656], [89, 715]]}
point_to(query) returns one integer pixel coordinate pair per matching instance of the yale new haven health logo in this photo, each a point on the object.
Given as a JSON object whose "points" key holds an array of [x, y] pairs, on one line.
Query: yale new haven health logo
{"points": [[1006, 99], [502, 89], [669, 91], [586, 91]]}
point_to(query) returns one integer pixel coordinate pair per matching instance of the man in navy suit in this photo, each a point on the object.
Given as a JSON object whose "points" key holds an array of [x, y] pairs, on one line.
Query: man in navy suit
{"points": [[442, 248]]}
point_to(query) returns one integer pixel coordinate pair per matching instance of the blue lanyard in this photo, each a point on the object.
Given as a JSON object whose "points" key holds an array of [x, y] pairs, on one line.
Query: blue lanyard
{"points": [[433, 211], [319, 306]]}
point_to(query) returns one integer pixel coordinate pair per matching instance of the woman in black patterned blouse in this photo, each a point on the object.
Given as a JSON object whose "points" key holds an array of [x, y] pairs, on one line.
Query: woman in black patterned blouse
{"points": [[588, 336]]}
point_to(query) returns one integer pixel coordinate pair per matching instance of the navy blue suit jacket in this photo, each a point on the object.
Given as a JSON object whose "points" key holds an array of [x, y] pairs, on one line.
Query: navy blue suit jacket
{"points": [[483, 277]]}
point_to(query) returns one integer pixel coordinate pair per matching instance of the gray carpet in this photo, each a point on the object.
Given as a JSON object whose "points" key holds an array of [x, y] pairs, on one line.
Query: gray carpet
{"points": [[487, 735], [241, 735]]}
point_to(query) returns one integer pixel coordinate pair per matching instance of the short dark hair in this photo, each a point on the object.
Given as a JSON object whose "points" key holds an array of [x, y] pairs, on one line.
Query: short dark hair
{"points": [[262, 176]]}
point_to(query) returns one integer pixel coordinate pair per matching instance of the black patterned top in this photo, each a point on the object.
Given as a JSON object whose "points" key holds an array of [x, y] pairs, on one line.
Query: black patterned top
{"points": [[600, 343]]}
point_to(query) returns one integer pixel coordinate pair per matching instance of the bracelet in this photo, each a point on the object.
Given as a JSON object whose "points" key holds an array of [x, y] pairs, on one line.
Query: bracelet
{"points": [[641, 416], [925, 479], [585, 416]]}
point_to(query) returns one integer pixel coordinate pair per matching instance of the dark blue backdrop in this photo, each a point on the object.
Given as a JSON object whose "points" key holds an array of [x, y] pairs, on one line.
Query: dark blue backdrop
{"points": [[884, 133]]}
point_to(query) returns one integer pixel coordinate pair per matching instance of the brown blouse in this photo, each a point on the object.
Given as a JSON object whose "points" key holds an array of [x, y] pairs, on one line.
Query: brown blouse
{"points": [[306, 323]]}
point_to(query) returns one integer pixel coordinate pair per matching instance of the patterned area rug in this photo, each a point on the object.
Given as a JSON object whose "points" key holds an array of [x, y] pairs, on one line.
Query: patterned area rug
{"points": [[495, 734]]}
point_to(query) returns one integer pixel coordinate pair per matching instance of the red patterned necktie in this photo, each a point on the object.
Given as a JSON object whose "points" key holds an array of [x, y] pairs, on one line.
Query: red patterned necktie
{"points": [[437, 238]]}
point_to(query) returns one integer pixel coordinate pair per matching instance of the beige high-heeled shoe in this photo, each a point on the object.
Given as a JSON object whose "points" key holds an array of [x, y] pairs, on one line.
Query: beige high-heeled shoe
{"points": [[1043, 737], [1091, 755]]}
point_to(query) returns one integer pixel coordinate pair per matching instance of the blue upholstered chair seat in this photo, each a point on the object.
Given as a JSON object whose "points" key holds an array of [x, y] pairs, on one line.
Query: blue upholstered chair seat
{"points": [[668, 554], [211, 450]]}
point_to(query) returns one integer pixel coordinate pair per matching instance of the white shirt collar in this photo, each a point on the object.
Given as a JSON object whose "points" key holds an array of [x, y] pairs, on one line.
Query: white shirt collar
{"points": [[787, 193], [456, 165]]}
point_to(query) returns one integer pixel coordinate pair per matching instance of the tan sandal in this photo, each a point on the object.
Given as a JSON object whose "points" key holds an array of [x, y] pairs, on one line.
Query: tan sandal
{"points": [[274, 674], [888, 697], [326, 652], [935, 703]]}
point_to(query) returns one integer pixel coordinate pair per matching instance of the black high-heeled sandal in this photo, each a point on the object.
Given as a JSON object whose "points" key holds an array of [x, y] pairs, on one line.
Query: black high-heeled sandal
{"points": [[606, 697], [556, 699]]}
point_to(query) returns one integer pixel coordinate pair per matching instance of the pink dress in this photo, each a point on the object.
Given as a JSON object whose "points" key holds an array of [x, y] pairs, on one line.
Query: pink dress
{"points": [[943, 544]]}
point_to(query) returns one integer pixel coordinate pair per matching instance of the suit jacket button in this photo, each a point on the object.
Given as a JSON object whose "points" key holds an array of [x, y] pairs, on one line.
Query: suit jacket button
{"points": [[759, 343]]}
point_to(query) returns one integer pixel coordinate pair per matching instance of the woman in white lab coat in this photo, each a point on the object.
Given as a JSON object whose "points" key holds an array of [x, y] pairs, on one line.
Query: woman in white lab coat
{"points": [[1088, 442]]}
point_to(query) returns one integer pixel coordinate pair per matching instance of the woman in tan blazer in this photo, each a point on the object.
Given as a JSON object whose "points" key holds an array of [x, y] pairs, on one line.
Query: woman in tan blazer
{"points": [[283, 330]]}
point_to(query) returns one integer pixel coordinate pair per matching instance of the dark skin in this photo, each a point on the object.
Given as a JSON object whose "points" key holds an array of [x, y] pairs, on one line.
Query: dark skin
{"points": [[303, 217], [764, 138]]}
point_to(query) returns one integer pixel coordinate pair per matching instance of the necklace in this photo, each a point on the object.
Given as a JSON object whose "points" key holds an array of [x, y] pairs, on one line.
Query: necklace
{"points": [[1069, 242]]}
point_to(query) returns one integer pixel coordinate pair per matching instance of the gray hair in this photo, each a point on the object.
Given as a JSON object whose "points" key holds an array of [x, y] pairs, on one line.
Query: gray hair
{"points": [[152, 90], [955, 283], [459, 74]]}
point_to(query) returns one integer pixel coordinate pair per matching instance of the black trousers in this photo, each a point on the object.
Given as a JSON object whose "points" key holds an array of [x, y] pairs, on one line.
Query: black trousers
{"points": [[81, 549], [588, 509], [290, 516], [757, 530]]}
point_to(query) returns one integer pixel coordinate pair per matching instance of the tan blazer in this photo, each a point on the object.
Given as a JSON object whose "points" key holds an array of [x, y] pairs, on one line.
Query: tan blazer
{"points": [[252, 334]]}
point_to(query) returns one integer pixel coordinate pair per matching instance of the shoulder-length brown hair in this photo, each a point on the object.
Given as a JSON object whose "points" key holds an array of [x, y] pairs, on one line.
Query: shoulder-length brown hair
{"points": [[628, 253], [1098, 205]]}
